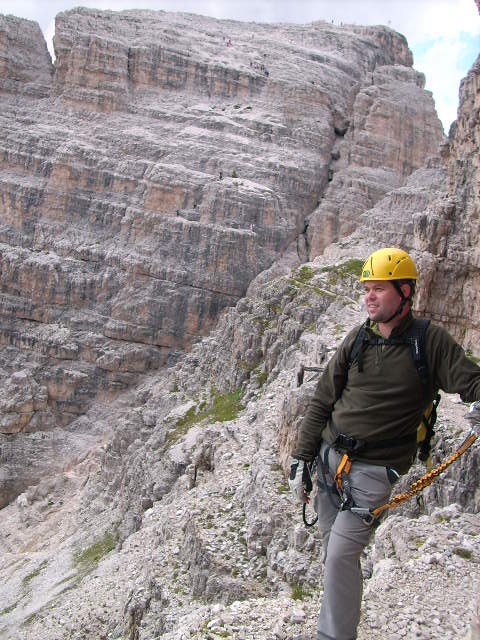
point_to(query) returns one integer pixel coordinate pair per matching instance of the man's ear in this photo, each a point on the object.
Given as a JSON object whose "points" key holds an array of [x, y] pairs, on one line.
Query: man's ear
{"points": [[407, 290]]}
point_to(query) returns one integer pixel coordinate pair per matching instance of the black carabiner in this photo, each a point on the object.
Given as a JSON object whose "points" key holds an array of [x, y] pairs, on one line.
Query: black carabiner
{"points": [[305, 521]]}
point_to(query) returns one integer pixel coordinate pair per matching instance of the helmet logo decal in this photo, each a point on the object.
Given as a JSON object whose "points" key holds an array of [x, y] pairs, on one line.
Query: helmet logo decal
{"points": [[366, 274]]}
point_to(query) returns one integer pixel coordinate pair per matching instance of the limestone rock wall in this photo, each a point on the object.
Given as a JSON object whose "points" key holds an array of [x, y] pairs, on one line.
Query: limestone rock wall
{"points": [[435, 216], [368, 162], [450, 234], [25, 64], [151, 174]]}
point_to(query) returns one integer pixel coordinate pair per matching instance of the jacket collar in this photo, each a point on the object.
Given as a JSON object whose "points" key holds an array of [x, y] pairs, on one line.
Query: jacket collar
{"points": [[397, 330]]}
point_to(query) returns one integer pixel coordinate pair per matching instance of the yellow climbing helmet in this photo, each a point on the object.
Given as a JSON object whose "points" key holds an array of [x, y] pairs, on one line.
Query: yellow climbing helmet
{"points": [[389, 264]]}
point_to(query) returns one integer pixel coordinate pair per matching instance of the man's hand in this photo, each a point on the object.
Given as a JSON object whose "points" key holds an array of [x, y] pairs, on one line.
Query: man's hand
{"points": [[299, 480], [473, 416]]}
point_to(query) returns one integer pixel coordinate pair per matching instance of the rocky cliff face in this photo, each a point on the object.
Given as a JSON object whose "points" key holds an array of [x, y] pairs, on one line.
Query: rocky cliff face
{"points": [[25, 68], [435, 216], [382, 105], [149, 501], [181, 525], [154, 171], [451, 232]]}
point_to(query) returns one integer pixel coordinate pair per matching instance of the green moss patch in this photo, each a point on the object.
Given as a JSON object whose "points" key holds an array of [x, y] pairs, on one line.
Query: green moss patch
{"points": [[8, 610], [349, 268], [283, 488], [304, 274], [223, 407], [261, 376], [466, 554], [30, 620], [226, 406], [298, 592], [27, 579], [88, 559]]}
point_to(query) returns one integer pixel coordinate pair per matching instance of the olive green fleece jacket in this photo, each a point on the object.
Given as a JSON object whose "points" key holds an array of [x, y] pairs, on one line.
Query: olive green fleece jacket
{"points": [[386, 400]]}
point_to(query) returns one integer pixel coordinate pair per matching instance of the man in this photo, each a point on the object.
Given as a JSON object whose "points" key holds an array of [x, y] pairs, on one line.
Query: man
{"points": [[362, 423]]}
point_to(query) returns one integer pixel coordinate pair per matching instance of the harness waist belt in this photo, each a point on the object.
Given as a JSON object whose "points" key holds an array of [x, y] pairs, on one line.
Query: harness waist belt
{"points": [[355, 445]]}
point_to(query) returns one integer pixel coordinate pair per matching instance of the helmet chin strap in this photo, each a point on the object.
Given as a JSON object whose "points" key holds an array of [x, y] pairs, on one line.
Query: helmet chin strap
{"points": [[403, 301]]}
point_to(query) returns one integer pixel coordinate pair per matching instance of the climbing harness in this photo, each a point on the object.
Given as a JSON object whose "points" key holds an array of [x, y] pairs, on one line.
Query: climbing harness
{"points": [[341, 484], [369, 516], [344, 467]]}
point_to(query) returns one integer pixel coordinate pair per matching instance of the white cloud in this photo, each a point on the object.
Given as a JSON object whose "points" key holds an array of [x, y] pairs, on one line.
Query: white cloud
{"points": [[439, 64], [442, 19]]}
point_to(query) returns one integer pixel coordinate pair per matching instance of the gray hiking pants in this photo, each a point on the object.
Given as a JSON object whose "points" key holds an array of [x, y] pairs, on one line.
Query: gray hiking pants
{"points": [[345, 535]]}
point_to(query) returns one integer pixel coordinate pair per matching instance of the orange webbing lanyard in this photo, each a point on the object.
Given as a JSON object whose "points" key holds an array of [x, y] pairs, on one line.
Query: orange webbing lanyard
{"points": [[425, 480], [370, 515], [344, 467]]}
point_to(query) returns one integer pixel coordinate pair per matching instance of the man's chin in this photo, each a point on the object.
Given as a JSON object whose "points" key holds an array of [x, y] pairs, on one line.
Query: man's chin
{"points": [[376, 317]]}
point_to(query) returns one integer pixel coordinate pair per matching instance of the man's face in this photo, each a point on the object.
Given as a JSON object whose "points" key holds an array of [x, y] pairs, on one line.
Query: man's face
{"points": [[381, 299]]}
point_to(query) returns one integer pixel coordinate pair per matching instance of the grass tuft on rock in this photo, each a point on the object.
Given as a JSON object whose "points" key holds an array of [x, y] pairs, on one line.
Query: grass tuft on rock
{"points": [[298, 592], [27, 579], [349, 268], [304, 274], [88, 559], [223, 407]]}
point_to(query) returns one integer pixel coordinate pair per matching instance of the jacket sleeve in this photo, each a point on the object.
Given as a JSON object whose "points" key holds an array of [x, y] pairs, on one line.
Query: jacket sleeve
{"points": [[328, 390], [452, 370]]}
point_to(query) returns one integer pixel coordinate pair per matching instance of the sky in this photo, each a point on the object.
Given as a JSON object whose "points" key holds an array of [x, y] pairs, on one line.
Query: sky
{"points": [[444, 35]]}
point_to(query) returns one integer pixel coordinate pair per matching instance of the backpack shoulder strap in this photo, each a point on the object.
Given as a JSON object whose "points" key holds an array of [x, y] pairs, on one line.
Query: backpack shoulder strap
{"points": [[416, 339], [356, 352]]}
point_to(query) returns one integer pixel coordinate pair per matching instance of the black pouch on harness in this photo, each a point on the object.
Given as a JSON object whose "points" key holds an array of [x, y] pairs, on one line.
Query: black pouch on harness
{"points": [[347, 443]]}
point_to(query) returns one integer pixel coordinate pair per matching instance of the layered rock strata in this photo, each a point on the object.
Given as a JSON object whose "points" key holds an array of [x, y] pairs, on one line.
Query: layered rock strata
{"points": [[435, 215], [25, 64], [367, 162], [150, 174], [450, 233]]}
